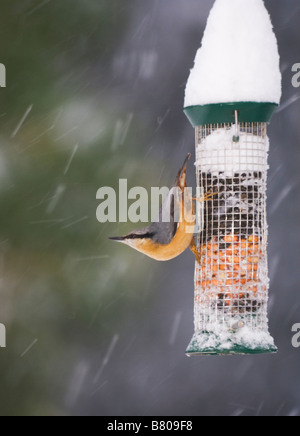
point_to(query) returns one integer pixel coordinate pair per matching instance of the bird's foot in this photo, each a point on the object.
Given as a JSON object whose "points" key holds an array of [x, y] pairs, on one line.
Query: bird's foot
{"points": [[206, 197]]}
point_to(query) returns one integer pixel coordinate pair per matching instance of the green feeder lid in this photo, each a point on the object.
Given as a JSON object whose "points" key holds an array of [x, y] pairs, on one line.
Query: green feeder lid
{"points": [[224, 113]]}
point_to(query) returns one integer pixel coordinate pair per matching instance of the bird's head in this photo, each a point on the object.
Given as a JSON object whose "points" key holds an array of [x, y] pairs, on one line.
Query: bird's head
{"points": [[139, 239]]}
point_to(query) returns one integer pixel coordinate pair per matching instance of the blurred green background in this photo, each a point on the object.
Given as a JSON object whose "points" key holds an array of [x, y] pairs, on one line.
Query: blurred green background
{"points": [[94, 93], [60, 276]]}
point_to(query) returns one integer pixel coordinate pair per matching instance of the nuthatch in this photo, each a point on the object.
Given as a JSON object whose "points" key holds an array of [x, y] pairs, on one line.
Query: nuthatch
{"points": [[164, 241]]}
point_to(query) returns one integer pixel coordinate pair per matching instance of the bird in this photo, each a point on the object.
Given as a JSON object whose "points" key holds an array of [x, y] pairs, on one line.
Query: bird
{"points": [[164, 241]]}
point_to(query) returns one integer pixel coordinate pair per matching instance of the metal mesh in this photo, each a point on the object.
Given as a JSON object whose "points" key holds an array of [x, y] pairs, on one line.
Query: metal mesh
{"points": [[231, 280]]}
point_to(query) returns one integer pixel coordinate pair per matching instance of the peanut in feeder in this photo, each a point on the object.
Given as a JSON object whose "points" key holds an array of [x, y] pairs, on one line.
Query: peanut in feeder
{"points": [[231, 275]]}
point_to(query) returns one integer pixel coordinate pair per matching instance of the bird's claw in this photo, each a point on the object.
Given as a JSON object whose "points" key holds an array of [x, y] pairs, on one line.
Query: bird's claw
{"points": [[206, 197]]}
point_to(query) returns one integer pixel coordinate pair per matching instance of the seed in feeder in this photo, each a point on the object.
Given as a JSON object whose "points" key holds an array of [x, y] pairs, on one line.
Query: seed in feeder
{"points": [[253, 239], [213, 247], [233, 260], [232, 274], [222, 276], [253, 259], [231, 238], [254, 248], [231, 251]]}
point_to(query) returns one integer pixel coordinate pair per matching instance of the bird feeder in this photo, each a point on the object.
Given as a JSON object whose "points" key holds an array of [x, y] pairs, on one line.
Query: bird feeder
{"points": [[230, 110]]}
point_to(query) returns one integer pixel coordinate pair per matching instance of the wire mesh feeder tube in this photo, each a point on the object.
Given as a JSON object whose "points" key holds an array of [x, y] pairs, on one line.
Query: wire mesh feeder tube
{"points": [[231, 277]]}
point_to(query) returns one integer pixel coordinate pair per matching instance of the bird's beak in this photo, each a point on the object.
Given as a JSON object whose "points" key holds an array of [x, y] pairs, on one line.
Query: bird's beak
{"points": [[118, 239]]}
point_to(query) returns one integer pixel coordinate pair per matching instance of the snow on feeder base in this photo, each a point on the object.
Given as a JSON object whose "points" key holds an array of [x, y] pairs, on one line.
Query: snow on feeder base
{"points": [[231, 277]]}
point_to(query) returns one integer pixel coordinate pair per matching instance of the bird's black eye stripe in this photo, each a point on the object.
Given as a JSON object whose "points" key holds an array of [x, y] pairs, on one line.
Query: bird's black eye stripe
{"points": [[143, 236]]}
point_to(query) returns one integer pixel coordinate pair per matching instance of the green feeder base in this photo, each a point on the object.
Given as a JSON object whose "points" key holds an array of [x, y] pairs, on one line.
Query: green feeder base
{"points": [[210, 344]]}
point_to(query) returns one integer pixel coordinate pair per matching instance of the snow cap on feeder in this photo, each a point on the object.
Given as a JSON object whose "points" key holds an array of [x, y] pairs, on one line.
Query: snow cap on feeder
{"points": [[231, 94], [238, 63]]}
